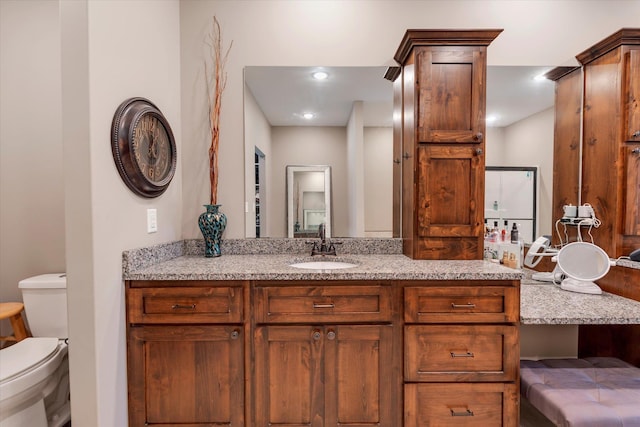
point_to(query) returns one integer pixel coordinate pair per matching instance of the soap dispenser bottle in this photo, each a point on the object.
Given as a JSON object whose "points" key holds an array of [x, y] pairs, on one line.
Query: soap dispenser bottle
{"points": [[514, 233]]}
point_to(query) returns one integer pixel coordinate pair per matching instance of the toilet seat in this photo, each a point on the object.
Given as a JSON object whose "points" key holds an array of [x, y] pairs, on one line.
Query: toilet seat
{"points": [[29, 362]]}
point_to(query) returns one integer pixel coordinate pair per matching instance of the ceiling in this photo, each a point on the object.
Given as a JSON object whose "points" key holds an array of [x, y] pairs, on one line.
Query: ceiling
{"points": [[285, 93]]}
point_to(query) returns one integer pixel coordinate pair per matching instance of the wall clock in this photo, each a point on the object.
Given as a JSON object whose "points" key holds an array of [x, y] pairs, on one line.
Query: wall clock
{"points": [[143, 147]]}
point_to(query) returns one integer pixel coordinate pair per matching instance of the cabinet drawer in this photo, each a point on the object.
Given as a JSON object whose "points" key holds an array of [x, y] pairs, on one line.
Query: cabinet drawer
{"points": [[469, 405], [476, 304], [461, 353], [185, 305], [311, 304]]}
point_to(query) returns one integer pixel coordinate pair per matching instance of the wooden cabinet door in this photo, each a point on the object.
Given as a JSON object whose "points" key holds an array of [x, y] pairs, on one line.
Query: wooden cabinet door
{"points": [[451, 94], [358, 376], [323, 376], [632, 69], [186, 375], [289, 388], [450, 197], [632, 186]]}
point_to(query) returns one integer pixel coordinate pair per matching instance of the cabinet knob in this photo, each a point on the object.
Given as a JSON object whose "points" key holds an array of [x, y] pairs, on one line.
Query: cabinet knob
{"points": [[235, 334], [316, 335], [636, 134], [331, 334], [405, 155], [635, 150], [396, 161], [478, 136], [479, 151]]}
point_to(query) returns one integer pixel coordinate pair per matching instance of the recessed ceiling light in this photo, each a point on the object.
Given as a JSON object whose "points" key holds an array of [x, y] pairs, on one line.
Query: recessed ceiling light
{"points": [[308, 116], [320, 75]]}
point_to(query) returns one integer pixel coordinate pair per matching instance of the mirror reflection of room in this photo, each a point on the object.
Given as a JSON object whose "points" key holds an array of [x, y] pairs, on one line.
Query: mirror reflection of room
{"points": [[353, 134], [308, 200]]}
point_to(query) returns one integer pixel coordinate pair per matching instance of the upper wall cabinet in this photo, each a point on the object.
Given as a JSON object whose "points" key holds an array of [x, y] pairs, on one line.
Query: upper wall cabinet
{"points": [[610, 120], [443, 125], [451, 93]]}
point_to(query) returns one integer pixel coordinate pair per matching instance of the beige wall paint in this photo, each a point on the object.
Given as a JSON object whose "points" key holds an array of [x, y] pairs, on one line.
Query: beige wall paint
{"points": [[257, 133], [529, 142], [378, 181], [101, 67], [308, 145], [321, 33], [31, 170], [355, 172], [99, 70]]}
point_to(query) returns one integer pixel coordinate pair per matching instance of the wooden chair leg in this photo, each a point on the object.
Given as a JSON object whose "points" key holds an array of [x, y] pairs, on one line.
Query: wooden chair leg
{"points": [[19, 329]]}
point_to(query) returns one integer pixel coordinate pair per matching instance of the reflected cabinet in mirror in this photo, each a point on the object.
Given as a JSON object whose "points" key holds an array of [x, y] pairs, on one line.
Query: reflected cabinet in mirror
{"points": [[308, 200], [349, 128]]}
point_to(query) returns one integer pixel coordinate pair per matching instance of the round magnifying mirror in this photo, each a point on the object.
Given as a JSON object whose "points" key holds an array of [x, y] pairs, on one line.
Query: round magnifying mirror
{"points": [[583, 263]]}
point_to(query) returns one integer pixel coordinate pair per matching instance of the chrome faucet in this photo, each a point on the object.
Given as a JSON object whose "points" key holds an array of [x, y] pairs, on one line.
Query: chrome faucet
{"points": [[324, 247]]}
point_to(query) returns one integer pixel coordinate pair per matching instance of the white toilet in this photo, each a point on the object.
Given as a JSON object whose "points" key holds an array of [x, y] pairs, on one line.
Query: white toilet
{"points": [[34, 373]]}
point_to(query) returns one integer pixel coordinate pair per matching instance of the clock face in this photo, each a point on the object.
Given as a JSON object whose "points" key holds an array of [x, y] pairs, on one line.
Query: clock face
{"points": [[143, 147], [151, 149]]}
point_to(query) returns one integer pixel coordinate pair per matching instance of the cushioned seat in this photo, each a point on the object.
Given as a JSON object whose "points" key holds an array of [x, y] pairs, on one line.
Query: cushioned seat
{"points": [[589, 392]]}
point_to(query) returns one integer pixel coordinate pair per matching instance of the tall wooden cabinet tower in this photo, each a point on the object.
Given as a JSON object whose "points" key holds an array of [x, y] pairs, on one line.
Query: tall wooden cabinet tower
{"points": [[597, 139], [611, 139], [567, 147], [443, 145]]}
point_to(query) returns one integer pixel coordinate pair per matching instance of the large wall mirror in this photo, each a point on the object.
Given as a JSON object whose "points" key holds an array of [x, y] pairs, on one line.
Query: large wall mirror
{"points": [[344, 121]]}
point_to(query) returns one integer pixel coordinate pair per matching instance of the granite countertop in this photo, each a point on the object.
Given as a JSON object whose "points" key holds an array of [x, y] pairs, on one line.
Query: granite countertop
{"points": [[277, 267], [543, 303]]}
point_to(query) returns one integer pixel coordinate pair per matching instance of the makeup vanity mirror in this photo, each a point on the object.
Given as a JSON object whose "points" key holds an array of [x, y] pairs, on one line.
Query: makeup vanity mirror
{"points": [[348, 129]]}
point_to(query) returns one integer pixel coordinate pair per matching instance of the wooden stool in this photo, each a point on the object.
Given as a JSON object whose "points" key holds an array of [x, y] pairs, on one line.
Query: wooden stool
{"points": [[13, 311]]}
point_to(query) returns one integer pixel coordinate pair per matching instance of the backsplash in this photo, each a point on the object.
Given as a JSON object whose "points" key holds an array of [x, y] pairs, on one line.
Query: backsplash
{"points": [[136, 259]]}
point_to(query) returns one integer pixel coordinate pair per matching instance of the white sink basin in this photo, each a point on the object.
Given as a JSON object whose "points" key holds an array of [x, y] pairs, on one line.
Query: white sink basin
{"points": [[323, 265]]}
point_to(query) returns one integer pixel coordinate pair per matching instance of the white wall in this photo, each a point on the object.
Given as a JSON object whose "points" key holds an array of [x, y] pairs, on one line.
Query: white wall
{"points": [[101, 66]]}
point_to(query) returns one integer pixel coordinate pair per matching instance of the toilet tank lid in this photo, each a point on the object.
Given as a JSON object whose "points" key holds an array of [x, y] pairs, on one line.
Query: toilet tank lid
{"points": [[49, 281]]}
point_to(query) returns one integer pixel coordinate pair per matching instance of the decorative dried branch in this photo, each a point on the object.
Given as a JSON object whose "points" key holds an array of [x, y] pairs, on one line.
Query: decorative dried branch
{"points": [[216, 83]]}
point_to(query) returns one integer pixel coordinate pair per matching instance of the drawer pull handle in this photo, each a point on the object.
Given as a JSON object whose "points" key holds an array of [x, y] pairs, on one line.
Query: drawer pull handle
{"points": [[319, 305], [467, 354], [234, 335], [465, 413], [331, 334], [183, 307], [467, 305], [316, 335]]}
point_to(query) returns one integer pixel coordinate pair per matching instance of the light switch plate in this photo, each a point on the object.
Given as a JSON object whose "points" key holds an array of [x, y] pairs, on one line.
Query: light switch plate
{"points": [[152, 220]]}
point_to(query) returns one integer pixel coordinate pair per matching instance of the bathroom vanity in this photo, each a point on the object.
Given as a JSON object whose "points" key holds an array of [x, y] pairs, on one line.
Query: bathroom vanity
{"points": [[249, 340]]}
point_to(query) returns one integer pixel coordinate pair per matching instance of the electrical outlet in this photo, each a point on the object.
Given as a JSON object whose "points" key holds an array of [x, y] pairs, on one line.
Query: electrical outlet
{"points": [[152, 220]]}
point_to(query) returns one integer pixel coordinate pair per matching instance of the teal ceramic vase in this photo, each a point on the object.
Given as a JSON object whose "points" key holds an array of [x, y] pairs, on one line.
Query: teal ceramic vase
{"points": [[212, 224]]}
